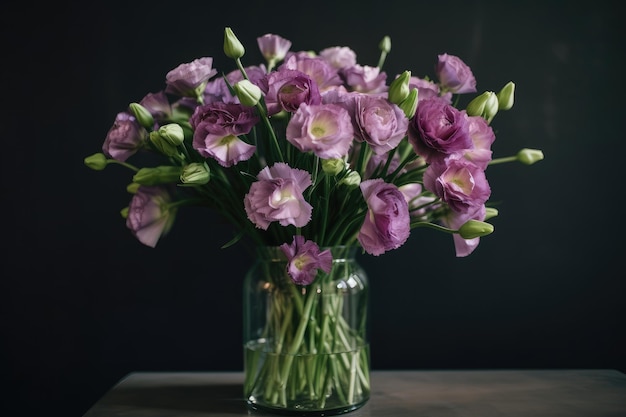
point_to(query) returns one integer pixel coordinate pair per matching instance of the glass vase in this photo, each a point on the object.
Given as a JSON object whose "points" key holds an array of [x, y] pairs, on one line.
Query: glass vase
{"points": [[306, 350]]}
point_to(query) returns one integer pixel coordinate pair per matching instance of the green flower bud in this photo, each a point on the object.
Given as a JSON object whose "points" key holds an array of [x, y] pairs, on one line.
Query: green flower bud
{"points": [[529, 156], [172, 133], [506, 96], [409, 105], [162, 145], [132, 187], [248, 93], [352, 180], [158, 175], [484, 105], [490, 212], [124, 212], [232, 47], [142, 115], [195, 173], [474, 228], [333, 166], [97, 161], [399, 88], [385, 44]]}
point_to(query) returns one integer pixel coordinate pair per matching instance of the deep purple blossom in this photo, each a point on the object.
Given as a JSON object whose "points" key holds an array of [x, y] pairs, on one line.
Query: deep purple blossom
{"points": [[159, 107], [387, 223], [217, 127], [149, 214], [454, 75], [124, 138], [324, 129], [459, 183], [185, 79], [438, 130], [277, 196], [304, 258], [286, 89]]}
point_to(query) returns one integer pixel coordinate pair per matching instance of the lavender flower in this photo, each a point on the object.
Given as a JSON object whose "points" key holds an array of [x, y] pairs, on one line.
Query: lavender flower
{"points": [[386, 225], [454, 75], [339, 57], [304, 258], [379, 122], [149, 214], [217, 127], [124, 138], [438, 130], [189, 79], [277, 196], [273, 48], [287, 89], [324, 129], [323, 73], [365, 79]]}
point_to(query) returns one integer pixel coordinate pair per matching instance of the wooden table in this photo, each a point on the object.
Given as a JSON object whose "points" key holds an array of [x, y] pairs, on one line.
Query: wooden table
{"points": [[480, 393]]}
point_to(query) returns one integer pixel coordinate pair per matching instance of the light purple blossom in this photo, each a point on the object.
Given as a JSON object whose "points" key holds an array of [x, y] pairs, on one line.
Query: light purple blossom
{"points": [[124, 138], [217, 127], [304, 258], [277, 196], [149, 215], [454, 220], [482, 136], [438, 129], [459, 183], [286, 89], [378, 122], [323, 73], [217, 90], [427, 89], [324, 129], [185, 79], [339, 56], [159, 107], [387, 223], [454, 75], [365, 79], [273, 47]]}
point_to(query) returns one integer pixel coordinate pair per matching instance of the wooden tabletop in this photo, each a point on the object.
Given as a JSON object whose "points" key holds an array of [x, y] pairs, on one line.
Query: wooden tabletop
{"points": [[480, 393]]}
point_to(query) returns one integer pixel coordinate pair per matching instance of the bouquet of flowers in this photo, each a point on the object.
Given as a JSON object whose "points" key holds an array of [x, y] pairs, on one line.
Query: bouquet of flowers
{"points": [[312, 150]]}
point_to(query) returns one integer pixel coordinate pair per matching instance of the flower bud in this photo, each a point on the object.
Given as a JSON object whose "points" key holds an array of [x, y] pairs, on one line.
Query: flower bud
{"points": [[172, 133], [162, 145], [195, 173], [484, 105], [399, 88], [124, 212], [232, 47], [474, 228], [158, 175], [333, 166], [506, 96], [409, 105], [352, 180], [247, 93], [490, 212], [529, 156], [97, 161], [142, 115], [132, 187], [385, 44]]}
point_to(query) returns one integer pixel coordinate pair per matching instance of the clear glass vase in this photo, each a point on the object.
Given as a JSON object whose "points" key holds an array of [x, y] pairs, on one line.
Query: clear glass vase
{"points": [[306, 347]]}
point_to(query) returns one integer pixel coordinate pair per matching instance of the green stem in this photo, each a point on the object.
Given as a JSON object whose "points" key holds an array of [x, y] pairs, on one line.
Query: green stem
{"points": [[503, 160]]}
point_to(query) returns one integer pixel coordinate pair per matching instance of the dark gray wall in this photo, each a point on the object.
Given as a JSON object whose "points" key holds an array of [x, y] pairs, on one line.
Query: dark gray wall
{"points": [[83, 303]]}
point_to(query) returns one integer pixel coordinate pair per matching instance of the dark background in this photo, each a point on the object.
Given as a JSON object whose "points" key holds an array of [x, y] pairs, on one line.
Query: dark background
{"points": [[83, 303]]}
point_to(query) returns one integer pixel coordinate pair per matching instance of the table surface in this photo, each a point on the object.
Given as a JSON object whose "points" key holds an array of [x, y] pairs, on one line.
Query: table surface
{"points": [[481, 393]]}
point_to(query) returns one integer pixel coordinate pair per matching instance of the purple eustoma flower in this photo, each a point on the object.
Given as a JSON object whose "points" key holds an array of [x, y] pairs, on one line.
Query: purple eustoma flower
{"points": [[378, 122], [365, 79], [454, 75], [185, 79], [217, 127], [438, 130], [149, 215], [387, 223], [286, 89], [459, 183], [273, 47], [277, 196], [324, 129], [323, 73], [427, 89], [304, 258], [124, 138], [339, 56], [454, 220], [482, 136]]}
